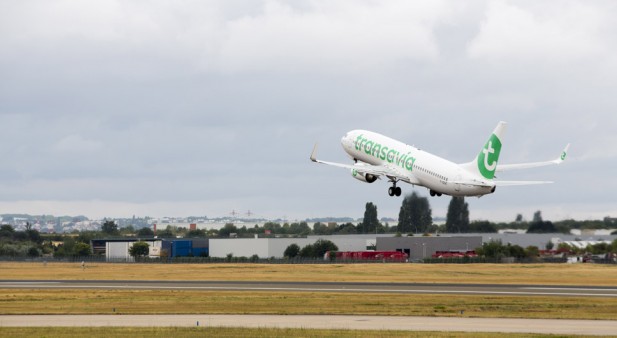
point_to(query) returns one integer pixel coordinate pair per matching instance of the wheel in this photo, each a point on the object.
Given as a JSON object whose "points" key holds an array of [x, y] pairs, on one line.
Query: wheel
{"points": [[397, 191], [391, 191], [432, 193]]}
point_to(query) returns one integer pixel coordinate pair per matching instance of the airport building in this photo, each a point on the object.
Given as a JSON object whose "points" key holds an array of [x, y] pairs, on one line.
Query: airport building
{"points": [[118, 249], [275, 247], [423, 247], [417, 247]]}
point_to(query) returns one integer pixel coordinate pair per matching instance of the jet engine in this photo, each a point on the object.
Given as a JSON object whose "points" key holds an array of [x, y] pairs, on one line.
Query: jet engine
{"points": [[360, 176]]}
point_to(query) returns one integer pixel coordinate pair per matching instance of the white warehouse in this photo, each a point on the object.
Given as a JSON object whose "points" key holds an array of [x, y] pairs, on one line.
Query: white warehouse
{"points": [[275, 247], [119, 250]]}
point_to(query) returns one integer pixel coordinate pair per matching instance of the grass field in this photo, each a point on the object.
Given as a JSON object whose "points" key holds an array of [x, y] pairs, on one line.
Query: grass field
{"points": [[295, 303], [16, 301], [551, 274], [70, 332], [58, 301]]}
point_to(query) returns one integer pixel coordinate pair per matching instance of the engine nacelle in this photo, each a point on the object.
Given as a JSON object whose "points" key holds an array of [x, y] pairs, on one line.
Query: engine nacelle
{"points": [[360, 176]]}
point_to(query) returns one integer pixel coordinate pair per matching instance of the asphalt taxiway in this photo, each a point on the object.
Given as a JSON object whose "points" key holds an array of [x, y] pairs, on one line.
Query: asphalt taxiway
{"points": [[270, 286]]}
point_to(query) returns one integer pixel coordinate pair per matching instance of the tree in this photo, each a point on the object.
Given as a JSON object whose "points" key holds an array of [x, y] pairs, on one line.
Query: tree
{"points": [[307, 251], [515, 251], [537, 216], [540, 226], [145, 232], [320, 229], [33, 252], [347, 228], [292, 251], [492, 249], [457, 219], [532, 251], [168, 232], [110, 228], [34, 235], [370, 222], [482, 226], [197, 233], [323, 245], [82, 249], [318, 249], [128, 230], [139, 249], [301, 228], [6, 230], [228, 229], [415, 214]]}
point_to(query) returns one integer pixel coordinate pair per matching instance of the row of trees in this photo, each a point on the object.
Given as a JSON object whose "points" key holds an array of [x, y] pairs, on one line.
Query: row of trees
{"points": [[315, 250], [496, 249]]}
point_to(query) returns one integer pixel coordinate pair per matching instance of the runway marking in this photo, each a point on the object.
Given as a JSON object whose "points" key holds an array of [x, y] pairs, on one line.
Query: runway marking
{"points": [[567, 288], [27, 283]]}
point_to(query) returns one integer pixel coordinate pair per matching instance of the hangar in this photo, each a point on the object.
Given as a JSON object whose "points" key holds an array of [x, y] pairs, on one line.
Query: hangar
{"points": [[118, 249], [275, 247], [422, 247]]}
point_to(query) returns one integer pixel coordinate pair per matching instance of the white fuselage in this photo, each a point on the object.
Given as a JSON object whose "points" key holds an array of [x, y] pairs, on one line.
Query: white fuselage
{"points": [[419, 167]]}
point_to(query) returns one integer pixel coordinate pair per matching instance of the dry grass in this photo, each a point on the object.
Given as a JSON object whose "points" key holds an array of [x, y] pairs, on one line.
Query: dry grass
{"points": [[551, 274], [69, 332], [57, 301], [297, 303]]}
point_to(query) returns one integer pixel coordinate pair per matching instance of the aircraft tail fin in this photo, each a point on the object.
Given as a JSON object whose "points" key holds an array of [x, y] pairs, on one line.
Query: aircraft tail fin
{"points": [[485, 164]]}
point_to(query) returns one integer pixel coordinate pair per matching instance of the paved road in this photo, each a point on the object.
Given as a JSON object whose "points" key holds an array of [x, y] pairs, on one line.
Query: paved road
{"points": [[552, 326], [411, 288]]}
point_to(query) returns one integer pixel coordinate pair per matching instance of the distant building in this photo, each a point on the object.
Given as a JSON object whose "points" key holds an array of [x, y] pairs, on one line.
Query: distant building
{"points": [[118, 249], [419, 247]]}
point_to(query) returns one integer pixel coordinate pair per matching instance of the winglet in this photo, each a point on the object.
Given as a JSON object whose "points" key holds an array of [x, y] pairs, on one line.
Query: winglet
{"points": [[313, 153], [563, 155]]}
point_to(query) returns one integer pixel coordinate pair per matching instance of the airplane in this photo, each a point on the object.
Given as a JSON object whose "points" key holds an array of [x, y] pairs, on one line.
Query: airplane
{"points": [[376, 156]]}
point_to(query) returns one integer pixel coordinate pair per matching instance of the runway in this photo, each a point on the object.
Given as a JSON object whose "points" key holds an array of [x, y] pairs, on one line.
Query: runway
{"points": [[397, 288], [545, 326]]}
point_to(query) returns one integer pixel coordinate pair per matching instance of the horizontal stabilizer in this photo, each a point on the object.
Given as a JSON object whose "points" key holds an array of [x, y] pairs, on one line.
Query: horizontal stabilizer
{"points": [[474, 183], [511, 183]]}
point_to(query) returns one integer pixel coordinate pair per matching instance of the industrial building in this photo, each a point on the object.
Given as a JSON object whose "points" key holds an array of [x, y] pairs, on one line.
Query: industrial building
{"points": [[423, 247], [118, 249], [275, 247], [417, 247]]}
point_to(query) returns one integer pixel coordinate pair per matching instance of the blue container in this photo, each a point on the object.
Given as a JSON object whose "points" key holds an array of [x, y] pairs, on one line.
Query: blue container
{"points": [[181, 248], [201, 252]]}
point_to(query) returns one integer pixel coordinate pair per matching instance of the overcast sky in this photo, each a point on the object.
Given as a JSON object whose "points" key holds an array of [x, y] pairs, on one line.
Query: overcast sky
{"points": [[178, 108]]}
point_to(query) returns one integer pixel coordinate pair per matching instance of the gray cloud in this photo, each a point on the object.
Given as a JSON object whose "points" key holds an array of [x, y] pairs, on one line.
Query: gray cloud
{"points": [[205, 107]]}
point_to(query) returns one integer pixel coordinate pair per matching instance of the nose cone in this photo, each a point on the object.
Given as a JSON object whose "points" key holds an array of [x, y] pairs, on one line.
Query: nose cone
{"points": [[346, 141]]}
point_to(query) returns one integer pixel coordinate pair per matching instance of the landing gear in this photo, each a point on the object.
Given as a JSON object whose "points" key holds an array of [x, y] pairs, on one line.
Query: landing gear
{"points": [[435, 193], [394, 190]]}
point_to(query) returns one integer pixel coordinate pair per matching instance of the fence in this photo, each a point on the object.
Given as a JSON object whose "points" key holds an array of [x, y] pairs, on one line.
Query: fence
{"points": [[272, 260]]}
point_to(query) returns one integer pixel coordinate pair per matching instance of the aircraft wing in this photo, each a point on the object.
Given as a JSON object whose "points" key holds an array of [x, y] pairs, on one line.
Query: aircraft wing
{"points": [[377, 170], [561, 158]]}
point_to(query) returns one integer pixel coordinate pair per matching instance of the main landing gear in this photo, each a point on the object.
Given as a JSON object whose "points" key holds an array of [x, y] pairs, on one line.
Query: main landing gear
{"points": [[394, 190], [435, 193]]}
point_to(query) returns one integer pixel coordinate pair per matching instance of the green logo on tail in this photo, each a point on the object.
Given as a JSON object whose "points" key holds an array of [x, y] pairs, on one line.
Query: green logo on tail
{"points": [[487, 159]]}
